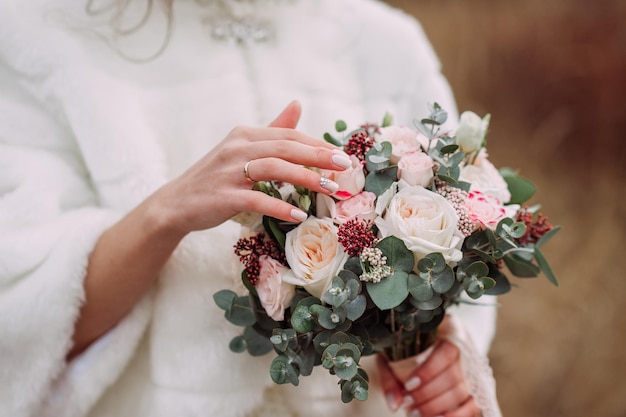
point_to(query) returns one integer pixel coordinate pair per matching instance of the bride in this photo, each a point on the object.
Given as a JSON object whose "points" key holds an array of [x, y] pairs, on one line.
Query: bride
{"points": [[124, 130]]}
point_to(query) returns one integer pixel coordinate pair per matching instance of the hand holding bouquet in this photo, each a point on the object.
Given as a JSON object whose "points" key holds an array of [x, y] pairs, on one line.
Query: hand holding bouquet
{"points": [[421, 218]]}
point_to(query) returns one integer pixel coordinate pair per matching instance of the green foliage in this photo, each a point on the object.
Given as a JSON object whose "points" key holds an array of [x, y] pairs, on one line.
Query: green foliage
{"points": [[520, 188], [378, 182]]}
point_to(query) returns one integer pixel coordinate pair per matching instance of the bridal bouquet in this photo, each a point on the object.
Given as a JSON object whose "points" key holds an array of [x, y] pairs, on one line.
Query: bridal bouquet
{"points": [[422, 217]]}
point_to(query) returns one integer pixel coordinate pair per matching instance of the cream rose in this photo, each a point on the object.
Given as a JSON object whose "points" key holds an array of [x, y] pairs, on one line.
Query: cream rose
{"points": [[416, 168], [351, 181], [314, 254], [484, 210], [425, 221], [402, 139], [470, 135], [274, 294], [485, 178]]}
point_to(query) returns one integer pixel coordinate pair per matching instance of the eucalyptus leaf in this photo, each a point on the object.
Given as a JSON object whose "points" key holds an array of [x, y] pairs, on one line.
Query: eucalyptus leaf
{"points": [[545, 267], [271, 226], [520, 267], [241, 313], [444, 280], [257, 344], [399, 258], [332, 140], [378, 182], [387, 120], [283, 372], [420, 288], [340, 126], [355, 308], [520, 188], [238, 344], [225, 299], [431, 304], [547, 236], [390, 292], [302, 321], [449, 149]]}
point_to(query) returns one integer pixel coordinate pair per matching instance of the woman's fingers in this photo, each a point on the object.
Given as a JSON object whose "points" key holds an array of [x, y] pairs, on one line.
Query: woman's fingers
{"points": [[456, 400], [289, 117], [444, 355], [394, 393], [276, 169], [447, 379], [269, 206]]}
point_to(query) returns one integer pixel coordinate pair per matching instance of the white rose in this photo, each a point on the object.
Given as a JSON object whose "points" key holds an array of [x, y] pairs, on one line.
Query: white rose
{"points": [[470, 135], [425, 221], [416, 168], [485, 178], [402, 139], [314, 255], [274, 294]]}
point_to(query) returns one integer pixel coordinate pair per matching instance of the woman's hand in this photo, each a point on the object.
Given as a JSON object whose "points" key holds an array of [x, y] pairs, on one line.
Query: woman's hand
{"points": [[216, 188], [129, 255], [436, 388]]}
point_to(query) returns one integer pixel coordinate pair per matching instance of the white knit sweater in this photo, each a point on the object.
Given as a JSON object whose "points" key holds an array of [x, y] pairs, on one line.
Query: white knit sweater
{"points": [[86, 134]]}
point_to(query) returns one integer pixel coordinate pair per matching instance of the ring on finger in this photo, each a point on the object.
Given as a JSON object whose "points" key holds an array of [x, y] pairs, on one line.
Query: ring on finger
{"points": [[246, 172]]}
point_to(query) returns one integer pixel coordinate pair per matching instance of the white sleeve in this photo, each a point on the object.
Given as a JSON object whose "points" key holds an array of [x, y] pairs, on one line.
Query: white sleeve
{"points": [[49, 224]]}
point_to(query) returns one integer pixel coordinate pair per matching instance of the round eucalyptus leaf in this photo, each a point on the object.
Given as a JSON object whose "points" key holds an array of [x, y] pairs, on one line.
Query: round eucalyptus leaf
{"points": [[444, 280], [420, 288], [399, 258], [355, 308], [353, 287], [225, 299], [431, 304], [390, 292], [488, 283], [345, 367], [241, 313], [477, 269], [283, 372], [322, 341], [258, 345], [302, 321], [238, 344]]}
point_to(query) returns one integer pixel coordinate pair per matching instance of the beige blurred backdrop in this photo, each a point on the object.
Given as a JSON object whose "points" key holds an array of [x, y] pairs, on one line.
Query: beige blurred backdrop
{"points": [[553, 75]]}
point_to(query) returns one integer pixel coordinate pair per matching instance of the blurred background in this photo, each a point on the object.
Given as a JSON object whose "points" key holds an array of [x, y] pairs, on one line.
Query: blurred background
{"points": [[553, 76]]}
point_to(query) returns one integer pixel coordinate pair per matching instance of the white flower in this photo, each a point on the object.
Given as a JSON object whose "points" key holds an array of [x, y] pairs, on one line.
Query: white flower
{"points": [[274, 294], [425, 221], [471, 132], [485, 178], [314, 254], [416, 168], [402, 139]]}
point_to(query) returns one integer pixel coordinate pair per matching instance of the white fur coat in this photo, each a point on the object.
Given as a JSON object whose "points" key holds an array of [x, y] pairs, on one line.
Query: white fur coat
{"points": [[86, 134]]}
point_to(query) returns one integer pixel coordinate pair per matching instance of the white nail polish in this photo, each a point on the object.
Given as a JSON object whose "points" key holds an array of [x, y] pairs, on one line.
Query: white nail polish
{"points": [[341, 160], [412, 383], [299, 215], [414, 413], [391, 402], [329, 185], [408, 401]]}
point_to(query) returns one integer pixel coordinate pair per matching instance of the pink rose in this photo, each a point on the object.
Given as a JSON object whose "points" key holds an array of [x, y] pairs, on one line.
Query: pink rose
{"points": [[351, 181], [416, 168], [484, 177], [484, 210], [403, 140], [361, 206], [274, 294]]}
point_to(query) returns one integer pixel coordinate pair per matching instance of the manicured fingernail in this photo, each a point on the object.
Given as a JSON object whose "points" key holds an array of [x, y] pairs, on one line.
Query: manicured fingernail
{"points": [[341, 160], [408, 401], [391, 402], [329, 185], [412, 383], [414, 413], [299, 215]]}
